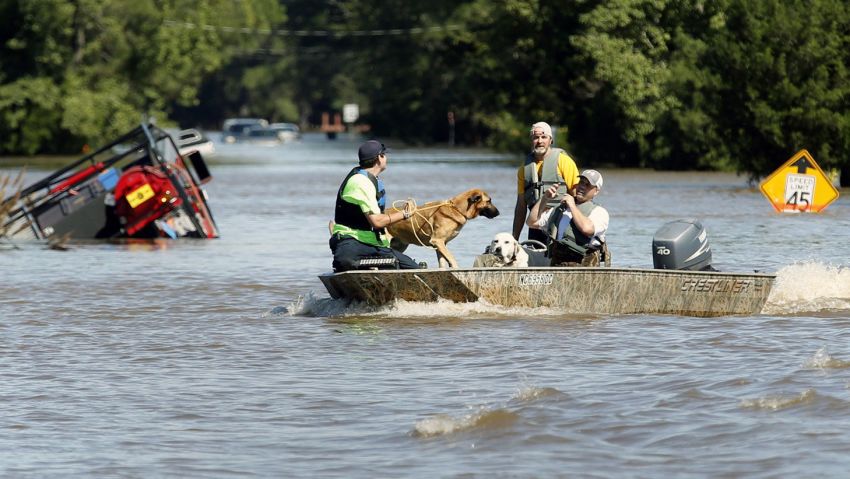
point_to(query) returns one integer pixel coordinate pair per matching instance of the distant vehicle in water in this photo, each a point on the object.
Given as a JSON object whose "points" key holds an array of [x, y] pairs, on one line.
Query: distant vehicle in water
{"points": [[238, 129], [263, 136], [137, 186], [258, 131], [286, 131]]}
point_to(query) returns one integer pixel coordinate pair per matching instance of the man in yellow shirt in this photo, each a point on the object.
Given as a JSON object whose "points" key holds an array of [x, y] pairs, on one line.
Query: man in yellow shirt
{"points": [[543, 167]]}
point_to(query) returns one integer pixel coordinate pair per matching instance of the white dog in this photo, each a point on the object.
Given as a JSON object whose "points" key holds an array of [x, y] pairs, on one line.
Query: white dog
{"points": [[508, 251]]}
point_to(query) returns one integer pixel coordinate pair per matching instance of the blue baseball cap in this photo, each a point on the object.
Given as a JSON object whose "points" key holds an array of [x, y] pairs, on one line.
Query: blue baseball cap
{"points": [[371, 149]]}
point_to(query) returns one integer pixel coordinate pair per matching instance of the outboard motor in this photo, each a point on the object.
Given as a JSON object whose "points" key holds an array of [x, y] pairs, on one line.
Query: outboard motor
{"points": [[682, 244]]}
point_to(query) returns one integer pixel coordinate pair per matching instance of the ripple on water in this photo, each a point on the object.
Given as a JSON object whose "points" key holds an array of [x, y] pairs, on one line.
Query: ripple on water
{"points": [[532, 393], [779, 402], [822, 360], [483, 419]]}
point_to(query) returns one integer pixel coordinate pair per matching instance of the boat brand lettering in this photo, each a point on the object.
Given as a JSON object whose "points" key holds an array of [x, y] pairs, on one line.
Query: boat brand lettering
{"points": [[535, 279], [139, 195], [737, 286]]}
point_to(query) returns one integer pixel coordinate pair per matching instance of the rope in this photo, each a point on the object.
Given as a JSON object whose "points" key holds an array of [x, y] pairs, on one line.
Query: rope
{"points": [[416, 212]]}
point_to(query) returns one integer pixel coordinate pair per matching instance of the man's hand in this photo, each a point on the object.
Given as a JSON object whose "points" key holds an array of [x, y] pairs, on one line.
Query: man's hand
{"points": [[552, 192], [569, 201], [409, 208]]}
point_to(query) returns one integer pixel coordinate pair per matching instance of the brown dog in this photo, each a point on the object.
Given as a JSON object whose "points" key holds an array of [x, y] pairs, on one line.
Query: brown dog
{"points": [[436, 223]]}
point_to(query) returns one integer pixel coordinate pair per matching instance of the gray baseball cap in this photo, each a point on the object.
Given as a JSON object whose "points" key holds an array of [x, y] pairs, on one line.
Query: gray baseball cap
{"points": [[593, 177]]}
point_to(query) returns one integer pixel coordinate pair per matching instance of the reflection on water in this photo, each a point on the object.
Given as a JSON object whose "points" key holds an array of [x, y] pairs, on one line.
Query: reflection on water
{"points": [[227, 358]]}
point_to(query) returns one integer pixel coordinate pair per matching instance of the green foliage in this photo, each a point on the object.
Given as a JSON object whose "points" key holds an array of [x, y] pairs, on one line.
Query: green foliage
{"points": [[76, 72], [96, 113], [627, 45], [683, 84], [253, 72], [757, 81], [29, 109], [785, 82]]}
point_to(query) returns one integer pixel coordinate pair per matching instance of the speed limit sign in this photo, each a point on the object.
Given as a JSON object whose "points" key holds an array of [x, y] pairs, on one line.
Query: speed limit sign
{"points": [[799, 186]]}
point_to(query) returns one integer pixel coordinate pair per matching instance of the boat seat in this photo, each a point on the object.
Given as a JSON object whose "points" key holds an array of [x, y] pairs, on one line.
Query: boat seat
{"points": [[378, 262]]}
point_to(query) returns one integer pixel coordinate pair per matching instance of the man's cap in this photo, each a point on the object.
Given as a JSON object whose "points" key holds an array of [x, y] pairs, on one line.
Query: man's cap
{"points": [[541, 125], [371, 149], [593, 177]]}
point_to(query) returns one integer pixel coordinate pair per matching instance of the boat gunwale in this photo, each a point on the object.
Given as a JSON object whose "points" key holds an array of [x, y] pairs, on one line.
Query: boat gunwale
{"points": [[562, 269]]}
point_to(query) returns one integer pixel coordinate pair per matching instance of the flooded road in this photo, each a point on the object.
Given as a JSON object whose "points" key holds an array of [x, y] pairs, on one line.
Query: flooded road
{"points": [[227, 358]]}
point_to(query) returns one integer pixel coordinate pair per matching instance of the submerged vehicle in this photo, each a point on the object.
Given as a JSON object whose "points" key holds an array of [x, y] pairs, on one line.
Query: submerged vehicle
{"points": [[682, 283], [286, 131], [137, 186], [258, 131], [262, 136]]}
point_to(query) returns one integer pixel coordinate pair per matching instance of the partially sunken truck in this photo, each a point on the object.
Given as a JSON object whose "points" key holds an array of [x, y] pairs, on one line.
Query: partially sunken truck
{"points": [[137, 186]]}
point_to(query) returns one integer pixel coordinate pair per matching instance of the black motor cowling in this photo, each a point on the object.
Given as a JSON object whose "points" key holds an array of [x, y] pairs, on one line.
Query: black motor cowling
{"points": [[682, 244]]}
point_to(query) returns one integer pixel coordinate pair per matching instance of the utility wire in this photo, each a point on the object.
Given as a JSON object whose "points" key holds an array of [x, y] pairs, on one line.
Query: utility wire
{"points": [[313, 33]]}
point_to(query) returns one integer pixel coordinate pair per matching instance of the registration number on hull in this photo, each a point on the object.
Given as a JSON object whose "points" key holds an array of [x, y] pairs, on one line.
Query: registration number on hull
{"points": [[535, 279]]}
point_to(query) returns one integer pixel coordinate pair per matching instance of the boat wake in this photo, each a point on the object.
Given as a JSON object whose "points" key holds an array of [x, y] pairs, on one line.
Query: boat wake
{"points": [[312, 305], [809, 287]]}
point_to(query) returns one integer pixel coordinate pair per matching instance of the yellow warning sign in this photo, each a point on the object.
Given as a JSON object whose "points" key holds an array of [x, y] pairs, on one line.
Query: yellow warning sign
{"points": [[799, 186], [139, 195]]}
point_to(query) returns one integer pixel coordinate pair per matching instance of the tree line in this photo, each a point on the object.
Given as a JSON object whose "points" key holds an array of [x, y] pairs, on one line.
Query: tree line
{"points": [[736, 85]]}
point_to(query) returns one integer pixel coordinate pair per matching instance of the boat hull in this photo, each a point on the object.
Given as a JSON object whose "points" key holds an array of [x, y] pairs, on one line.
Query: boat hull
{"points": [[576, 290]]}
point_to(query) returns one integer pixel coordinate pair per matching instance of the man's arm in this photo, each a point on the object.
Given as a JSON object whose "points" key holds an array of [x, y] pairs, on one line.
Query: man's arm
{"points": [[583, 223], [380, 220], [540, 207], [534, 214], [600, 219], [519, 215]]}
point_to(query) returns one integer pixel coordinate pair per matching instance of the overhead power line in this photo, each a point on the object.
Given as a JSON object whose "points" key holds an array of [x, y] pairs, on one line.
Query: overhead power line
{"points": [[313, 33]]}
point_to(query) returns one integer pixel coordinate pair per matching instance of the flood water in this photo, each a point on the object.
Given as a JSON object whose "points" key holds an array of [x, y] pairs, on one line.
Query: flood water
{"points": [[226, 358]]}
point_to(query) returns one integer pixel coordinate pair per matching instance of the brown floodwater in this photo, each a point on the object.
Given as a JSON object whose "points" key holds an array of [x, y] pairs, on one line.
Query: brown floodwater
{"points": [[226, 358]]}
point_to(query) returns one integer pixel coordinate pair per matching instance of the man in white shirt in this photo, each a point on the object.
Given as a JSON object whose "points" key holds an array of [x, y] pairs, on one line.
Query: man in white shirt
{"points": [[577, 226]]}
